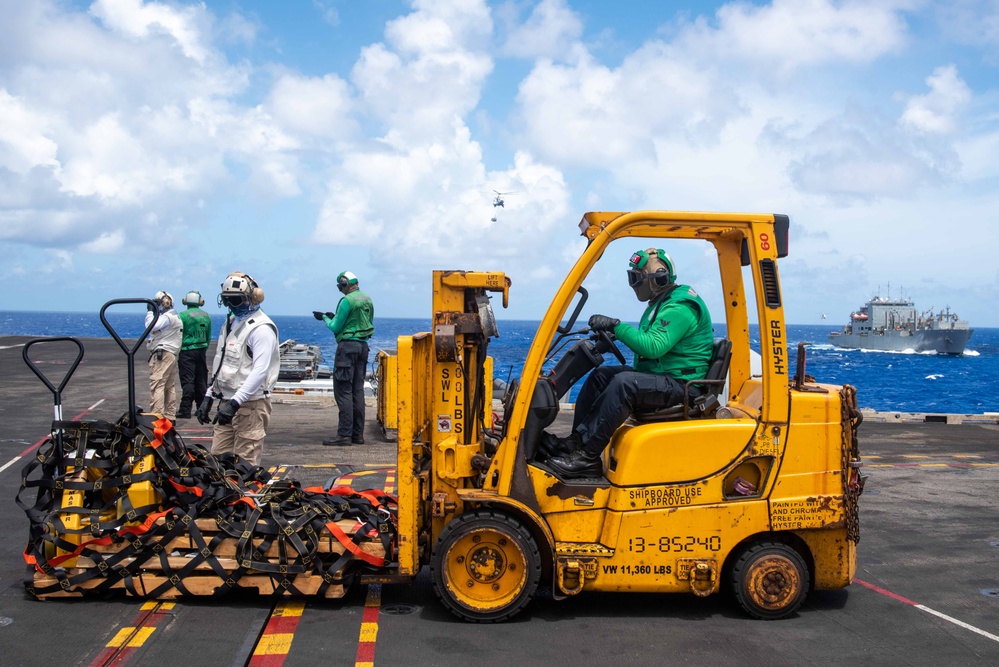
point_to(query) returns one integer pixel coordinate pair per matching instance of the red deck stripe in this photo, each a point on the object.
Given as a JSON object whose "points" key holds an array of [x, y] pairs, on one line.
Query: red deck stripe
{"points": [[878, 589], [282, 625], [278, 624], [370, 615], [365, 652]]}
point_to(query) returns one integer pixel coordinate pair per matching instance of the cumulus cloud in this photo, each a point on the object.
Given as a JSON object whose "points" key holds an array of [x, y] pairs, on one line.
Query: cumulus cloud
{"points": [[106, 244], [936, 112], [23, 144], [590, 114], [139, 20], [317, 107], [130, 121], [787, 35], [860, 155], [551, 30], [430, 69], [417, 194], [133, 108]]}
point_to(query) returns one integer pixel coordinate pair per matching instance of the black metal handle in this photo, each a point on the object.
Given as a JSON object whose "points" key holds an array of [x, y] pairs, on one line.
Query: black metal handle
{"points": [[56, 391], [114, 334], [130, 353]]}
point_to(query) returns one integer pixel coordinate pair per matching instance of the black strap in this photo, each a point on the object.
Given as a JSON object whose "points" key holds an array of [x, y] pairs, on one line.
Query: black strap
{"points": [[123, 541]]}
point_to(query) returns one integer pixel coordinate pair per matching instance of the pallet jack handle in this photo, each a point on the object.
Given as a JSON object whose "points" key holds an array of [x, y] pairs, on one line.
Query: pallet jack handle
{"points": [[56, 391], [130, 352]]}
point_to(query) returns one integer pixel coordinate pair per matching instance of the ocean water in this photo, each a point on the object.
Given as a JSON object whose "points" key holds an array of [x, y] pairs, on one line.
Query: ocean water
{"points": [[885, 381]]}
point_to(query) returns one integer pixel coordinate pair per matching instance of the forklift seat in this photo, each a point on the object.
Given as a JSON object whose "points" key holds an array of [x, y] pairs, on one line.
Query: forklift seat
{"points": [[706, 403]]}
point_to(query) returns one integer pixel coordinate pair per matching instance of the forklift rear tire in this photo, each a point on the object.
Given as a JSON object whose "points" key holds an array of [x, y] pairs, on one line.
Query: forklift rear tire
{"points": [[770, 580], [486, 566]]}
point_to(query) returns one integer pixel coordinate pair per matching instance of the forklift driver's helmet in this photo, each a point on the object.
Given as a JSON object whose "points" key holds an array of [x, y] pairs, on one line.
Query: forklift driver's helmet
{"points": [[345, 280], [650, 273], [164, 300]]}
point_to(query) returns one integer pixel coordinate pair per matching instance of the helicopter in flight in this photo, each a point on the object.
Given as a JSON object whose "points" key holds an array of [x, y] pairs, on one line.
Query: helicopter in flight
{"points": [[498, 201]]}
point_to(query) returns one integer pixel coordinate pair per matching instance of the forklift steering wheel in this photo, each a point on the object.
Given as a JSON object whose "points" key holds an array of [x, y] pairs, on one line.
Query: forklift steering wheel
{"points": [[609, 339]]}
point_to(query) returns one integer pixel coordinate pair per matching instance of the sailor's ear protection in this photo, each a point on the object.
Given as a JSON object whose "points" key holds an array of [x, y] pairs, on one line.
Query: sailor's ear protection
{"points": [[343, 282], [665, 276], [256, 295]]}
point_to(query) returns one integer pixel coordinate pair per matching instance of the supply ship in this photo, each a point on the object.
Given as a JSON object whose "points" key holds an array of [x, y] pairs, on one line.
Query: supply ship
{"points": [[893, 325]]}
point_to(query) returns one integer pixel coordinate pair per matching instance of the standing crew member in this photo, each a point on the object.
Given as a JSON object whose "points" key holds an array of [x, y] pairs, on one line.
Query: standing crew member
{"points": [[352, 325], [193, 354], [244, 372], [672, 345], [163, 345]]}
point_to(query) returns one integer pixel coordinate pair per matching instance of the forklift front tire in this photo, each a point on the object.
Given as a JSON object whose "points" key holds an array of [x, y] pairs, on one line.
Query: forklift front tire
{"points": [[486, 566]]}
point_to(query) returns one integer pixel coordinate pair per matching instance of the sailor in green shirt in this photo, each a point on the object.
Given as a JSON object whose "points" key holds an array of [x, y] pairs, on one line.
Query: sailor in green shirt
{"points": [[192, 361], [352, 324], [672, 345]]}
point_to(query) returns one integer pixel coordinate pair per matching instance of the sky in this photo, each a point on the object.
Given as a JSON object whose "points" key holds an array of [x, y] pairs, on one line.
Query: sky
{"points": [[148, 145]]}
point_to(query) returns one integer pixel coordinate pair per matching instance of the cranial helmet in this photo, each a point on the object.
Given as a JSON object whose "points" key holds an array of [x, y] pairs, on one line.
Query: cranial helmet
{"points": [[240, 293], [650, 273], [193, 298], [164, 300], [345, 280]]}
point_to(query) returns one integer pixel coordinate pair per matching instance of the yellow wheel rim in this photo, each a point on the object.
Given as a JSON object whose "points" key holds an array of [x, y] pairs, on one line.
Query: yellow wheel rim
{"points": [[773, 582], [485, 570]]}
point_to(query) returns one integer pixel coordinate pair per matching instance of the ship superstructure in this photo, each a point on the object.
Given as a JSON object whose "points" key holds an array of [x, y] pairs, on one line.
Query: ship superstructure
{"points": [[894, 325]]}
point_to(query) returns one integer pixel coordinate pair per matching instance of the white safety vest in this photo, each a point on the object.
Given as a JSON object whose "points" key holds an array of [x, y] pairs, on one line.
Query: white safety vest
{"points": [[237, 363], [169, 337]]}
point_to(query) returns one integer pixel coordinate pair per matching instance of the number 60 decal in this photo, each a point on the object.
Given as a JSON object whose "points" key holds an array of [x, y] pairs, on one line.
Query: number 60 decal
{"points": [[764, 241]]}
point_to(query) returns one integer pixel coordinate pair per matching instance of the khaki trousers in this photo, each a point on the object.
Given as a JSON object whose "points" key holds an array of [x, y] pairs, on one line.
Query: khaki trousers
{"points": [[245, 435], [163, 384]]}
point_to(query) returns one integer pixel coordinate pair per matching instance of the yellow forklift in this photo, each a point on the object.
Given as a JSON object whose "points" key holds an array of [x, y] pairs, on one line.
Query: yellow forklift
{"points": [[751, 488]]}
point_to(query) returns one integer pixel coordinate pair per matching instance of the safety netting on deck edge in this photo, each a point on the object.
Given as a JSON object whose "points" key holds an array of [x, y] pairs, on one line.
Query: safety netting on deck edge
{"points": [[278, 529]]}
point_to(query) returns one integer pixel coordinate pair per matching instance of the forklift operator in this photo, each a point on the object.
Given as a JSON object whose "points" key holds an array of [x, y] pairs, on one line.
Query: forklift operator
{"points": [[672, 345]]}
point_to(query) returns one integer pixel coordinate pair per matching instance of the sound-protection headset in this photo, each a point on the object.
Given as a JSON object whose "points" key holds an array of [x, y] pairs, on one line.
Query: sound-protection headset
{"points": [[345, 280], [193, 298], [240, 289]]}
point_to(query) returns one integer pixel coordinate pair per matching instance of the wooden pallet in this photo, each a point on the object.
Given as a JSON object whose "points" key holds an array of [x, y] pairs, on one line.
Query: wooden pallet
{"points": [[204, 580]]}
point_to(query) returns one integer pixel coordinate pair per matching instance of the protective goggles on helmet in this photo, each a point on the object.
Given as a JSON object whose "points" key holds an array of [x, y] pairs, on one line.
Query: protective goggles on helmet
{"points": [[234, 299], [636, 277], [240, 291]]}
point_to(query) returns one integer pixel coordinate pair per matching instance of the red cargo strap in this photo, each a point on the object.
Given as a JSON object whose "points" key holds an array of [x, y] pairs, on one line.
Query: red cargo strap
{"points": [[100, 541], [349, 545]]}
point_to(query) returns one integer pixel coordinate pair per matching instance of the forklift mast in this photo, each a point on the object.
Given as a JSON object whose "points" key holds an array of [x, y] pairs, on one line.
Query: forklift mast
{"points": [[445, 402]]}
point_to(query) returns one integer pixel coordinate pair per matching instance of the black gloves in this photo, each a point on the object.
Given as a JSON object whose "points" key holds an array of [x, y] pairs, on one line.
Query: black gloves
{"points": [[227, 410], [330, 315], [316, 314], [603, 323], [203, 413], [151, 307]]}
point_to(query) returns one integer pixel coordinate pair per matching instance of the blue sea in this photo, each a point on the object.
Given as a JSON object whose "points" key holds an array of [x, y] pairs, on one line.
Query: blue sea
{"points": [[885, 381]]}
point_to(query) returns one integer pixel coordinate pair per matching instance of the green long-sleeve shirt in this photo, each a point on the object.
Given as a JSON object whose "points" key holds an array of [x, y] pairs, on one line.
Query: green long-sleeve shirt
{"points": [[353, 319], [674, 336]]}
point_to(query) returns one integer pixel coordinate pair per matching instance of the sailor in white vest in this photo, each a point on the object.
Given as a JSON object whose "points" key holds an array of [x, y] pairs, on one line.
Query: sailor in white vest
{"points": [[164, 346], [244, 372]]}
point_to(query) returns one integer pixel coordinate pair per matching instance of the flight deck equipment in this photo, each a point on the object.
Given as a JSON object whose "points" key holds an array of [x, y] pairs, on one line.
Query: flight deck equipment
{"points": [[752, 486], [127, 505]]}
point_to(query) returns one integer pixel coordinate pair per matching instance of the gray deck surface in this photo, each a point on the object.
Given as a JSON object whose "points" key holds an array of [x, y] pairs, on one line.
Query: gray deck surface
{"points": [[929, 536]]}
